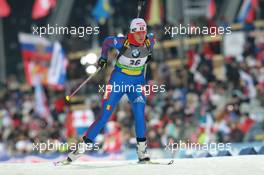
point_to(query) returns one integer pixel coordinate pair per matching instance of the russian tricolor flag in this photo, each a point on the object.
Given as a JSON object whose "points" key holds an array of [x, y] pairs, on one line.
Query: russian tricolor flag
{"points": [[35, 47], [247, 10], [40, 56], [36, 53]]}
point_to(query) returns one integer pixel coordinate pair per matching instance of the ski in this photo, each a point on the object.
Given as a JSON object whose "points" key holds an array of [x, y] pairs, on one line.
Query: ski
{"points": [[156, 162], [62, 162]]}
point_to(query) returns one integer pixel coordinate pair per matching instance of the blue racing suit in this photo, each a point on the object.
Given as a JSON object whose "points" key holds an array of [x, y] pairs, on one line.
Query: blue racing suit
{"points": [[128, 76]]}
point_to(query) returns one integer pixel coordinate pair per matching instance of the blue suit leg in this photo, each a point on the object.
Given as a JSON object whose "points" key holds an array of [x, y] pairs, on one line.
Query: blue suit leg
{"points": [[138, 100], [109, 103]]}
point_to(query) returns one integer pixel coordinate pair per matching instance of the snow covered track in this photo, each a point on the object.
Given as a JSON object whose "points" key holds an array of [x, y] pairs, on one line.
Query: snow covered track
{"points": [[237, 165]]}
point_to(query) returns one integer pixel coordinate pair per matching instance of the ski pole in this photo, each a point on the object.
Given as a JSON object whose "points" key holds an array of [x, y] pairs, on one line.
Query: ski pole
{"points": [[68, 97]]}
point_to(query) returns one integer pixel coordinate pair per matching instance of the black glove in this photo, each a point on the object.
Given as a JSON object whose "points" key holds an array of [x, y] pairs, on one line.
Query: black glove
{"points": [[101, 62]]}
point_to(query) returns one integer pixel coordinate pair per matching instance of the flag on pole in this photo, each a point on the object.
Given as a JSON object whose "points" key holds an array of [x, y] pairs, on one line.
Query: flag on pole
{"points": [[40, 56], [211, 9], [57, 69], [36, 53], [82, 119], [41, 8], [247, 11], [41, 103], [102, 11], [4, 8], [155, 12]]}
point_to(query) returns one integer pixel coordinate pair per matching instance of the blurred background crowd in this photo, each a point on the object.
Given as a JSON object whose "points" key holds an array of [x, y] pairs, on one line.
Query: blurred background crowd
{"points": [[214, 93]]}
